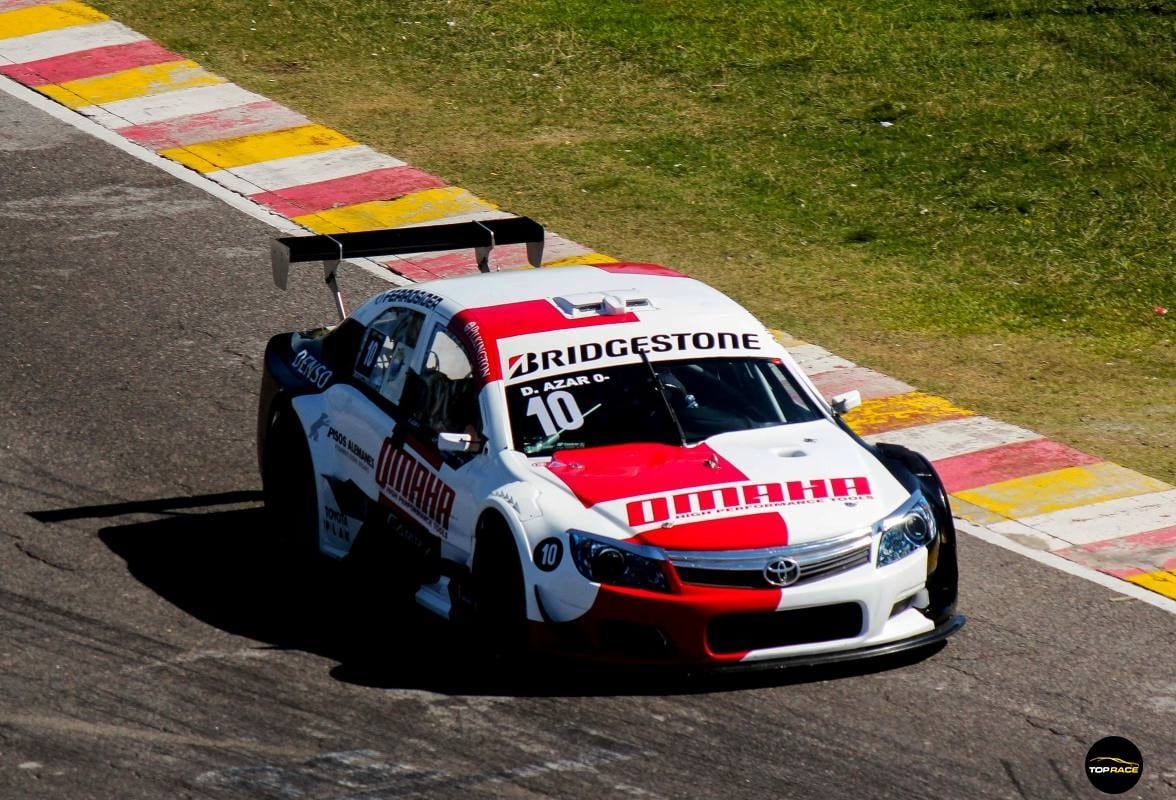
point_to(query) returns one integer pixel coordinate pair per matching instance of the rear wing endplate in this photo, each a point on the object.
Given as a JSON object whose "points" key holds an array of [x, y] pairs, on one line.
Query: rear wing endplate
{"points": [[482, 236]]}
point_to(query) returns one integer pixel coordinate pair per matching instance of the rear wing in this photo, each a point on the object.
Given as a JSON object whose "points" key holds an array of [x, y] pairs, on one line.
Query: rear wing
{"points": [[482, 236]]}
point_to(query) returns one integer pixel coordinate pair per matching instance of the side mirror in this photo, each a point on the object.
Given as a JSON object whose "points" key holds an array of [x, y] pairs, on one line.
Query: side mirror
{"points": [[458, 443], [846, 401]]}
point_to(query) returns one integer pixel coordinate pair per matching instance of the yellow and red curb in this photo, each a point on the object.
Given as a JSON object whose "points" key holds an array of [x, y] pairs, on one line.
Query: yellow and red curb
{"points": [[313, 175], [1015, 483]]}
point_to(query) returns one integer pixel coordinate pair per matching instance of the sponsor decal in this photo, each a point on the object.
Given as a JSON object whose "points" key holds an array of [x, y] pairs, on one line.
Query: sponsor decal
{"points": [[342, 518], [524, 364], [349, 448], [473, 335], [564, 383], [318, 425], [416, 297], [715, 500], [497, 323], [411, 484], [336, 524], [1114, 765], [312, 369]]}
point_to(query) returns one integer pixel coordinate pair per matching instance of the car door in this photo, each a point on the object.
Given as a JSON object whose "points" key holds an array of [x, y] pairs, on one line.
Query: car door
{"points": [[451, 403], [362, 414], [407, 388]]}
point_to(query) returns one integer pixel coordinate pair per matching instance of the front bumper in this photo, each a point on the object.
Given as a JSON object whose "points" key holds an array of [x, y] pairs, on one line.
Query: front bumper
{"points": [[857, 614]]}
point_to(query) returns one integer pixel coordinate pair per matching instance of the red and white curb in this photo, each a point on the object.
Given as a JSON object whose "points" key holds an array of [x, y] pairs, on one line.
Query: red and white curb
{"points": [[1009, 485]]}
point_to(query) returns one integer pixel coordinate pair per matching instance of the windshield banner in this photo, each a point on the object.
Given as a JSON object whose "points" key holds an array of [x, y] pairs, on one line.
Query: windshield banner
{"points": [[531, 363]]}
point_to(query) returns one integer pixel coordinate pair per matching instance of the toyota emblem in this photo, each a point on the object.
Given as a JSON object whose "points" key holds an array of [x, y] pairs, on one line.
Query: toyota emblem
{"points": [[781, 572]]}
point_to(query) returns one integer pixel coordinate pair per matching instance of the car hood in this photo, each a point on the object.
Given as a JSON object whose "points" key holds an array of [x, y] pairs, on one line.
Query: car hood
{"points": [[761, 488]]}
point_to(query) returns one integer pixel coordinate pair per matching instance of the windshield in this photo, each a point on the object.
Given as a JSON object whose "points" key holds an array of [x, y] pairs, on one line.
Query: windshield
{"points": [[624, 404]]}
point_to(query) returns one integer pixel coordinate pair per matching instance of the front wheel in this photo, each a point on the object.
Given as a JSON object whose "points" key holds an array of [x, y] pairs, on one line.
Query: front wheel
{"points": [[500, 606]]}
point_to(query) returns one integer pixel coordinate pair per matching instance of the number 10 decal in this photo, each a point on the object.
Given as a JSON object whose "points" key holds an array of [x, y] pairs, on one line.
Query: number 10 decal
{"points": [[371, 349], [558, 411], [548, 553]]}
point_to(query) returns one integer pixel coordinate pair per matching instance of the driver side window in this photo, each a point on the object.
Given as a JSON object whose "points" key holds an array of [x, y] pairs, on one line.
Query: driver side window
{"points": [[450, 397], [387, 351]]}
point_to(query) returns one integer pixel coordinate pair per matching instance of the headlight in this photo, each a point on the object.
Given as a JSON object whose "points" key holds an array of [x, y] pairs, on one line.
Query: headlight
{"points": [[906, 530], [608, 561]]}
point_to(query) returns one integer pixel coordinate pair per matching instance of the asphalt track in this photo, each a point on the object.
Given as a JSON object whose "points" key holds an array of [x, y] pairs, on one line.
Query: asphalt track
{"points": [[154, 643]]}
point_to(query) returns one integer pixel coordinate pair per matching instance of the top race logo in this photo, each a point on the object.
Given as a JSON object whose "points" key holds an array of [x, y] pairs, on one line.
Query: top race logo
{"points": [[524, 364]]}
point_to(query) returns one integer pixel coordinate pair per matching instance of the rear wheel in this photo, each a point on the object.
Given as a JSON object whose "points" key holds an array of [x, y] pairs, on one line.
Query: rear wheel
{"points": [[500, 607], [289, 486]]}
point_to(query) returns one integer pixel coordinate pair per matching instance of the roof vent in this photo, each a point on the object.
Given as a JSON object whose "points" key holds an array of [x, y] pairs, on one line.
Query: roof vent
{"points": [[589, 304], [612, 305]]}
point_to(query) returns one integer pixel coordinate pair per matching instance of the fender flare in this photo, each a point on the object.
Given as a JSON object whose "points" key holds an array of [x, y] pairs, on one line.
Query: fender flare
{"points": [[915, 470], [499, 504]]}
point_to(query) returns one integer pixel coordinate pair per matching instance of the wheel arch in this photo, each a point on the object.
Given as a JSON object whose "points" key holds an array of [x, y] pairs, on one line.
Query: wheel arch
{"points": [[290, 488], [915, 470], [275, 409], [498, 515]]}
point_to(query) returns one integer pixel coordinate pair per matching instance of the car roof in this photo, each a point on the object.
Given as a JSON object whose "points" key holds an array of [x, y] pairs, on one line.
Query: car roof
{"points": [[663, 288], [515, 320]]}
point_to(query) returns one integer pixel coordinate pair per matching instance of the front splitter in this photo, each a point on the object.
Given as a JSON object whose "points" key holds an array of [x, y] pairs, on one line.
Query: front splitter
{"points": [[937, 634]]}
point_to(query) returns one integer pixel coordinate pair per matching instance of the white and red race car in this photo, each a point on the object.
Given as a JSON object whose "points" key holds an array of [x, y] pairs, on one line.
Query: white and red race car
{"points": [[612, 460]]}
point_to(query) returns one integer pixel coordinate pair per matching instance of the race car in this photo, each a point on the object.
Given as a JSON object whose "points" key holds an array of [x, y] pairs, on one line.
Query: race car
{"points": [[610, 460]]}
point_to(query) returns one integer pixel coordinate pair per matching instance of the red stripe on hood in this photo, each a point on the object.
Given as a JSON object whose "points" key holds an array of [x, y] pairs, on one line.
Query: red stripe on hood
{"points": [[745, 532], [600, 474]]}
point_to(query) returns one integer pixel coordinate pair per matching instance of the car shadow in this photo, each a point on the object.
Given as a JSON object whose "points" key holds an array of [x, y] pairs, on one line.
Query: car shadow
{"points": [[229, 569]]}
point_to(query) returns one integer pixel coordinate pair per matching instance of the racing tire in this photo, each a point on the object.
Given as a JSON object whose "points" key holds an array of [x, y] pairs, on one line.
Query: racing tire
{"points": [[500, 606], [289, 487]]}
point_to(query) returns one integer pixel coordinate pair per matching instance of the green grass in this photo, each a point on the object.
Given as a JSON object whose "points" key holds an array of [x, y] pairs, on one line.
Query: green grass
{"points": [[1002, 239]]}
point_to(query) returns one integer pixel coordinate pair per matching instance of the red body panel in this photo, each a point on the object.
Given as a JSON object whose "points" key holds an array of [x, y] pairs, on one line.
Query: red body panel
{"points": [[600, 474], [682, 617], [745, 532], [491, 324]]}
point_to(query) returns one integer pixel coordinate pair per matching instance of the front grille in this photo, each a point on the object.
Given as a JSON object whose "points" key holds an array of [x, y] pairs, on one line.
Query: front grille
{"points": [[745, 568], [736, 633]]}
